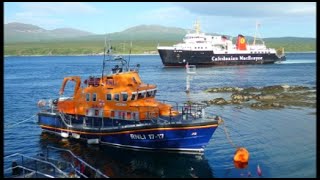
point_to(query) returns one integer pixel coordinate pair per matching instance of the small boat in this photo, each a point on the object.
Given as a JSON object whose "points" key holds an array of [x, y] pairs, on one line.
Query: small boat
{"points": [[118, 109]]}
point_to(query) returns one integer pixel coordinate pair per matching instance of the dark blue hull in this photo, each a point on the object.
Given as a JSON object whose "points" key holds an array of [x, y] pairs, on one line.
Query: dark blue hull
{"points": [[182, 137], [208, 58]]}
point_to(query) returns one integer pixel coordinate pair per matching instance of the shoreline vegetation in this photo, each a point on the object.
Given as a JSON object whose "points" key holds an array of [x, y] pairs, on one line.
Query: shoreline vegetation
{"points": [[101, 54], [138, 47]]}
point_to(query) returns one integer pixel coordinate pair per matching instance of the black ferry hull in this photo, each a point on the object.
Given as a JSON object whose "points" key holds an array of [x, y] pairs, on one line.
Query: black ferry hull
{"points": [[208, 58]]}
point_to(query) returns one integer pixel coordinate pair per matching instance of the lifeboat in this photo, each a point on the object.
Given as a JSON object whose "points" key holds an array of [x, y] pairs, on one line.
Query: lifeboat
{"points": [[119, 109]]}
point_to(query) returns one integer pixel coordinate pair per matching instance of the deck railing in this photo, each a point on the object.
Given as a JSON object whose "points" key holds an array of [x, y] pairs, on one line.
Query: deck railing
{"points": [[188, 113], [81, 162], [33, 165]]}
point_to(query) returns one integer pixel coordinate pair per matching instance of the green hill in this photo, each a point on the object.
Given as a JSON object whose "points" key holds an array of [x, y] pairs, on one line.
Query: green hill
{"points": [[19, 32], [144, 38]]}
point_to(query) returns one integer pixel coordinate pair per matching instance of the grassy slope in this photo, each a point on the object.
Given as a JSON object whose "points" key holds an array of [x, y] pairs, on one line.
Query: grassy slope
{"points": [[95, 45], [79, 47]]}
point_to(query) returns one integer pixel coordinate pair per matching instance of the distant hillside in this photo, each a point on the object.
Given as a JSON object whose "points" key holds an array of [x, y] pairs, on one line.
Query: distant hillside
{"points": [[140, 33], [19, 32], [33, 40], [292, 44], [152, 32]]}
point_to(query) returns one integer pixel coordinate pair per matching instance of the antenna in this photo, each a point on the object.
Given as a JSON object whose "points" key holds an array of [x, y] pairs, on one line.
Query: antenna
{"points": [[104, 55], [110, 47], [197, 26], [129, 56], [257, 34]]}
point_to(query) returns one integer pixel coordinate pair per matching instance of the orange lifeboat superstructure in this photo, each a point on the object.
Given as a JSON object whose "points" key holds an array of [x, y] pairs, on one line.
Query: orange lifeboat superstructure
{"points": [[120, 95]]}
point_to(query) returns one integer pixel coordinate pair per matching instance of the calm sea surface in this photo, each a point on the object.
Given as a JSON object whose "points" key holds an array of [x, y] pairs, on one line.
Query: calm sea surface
{"points": [[281, 141]]}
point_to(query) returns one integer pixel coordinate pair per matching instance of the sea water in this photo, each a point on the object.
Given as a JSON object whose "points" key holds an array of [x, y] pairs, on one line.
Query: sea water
{"points": [[281, 141]]}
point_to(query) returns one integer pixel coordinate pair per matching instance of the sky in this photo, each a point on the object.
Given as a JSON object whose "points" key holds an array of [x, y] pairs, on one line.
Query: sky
{"points": [[276, 19]]}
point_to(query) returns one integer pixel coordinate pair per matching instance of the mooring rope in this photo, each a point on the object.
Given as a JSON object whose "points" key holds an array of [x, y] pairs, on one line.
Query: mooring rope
{"points": [[11, 125], [241, 156], [227, 134]]}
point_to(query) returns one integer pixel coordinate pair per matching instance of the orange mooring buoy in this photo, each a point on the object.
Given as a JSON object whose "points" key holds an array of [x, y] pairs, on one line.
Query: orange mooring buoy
{"points": [[241, 155], [240, 165]]}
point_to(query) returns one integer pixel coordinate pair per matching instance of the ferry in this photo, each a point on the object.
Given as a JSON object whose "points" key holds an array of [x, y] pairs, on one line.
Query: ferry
{"points": [[200, 49], [117, 108]]}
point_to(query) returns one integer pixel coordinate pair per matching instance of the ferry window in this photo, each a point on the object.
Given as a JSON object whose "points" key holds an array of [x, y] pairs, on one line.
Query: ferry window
{"points": [[124, 96], [133, 96], [88, 97], [94, 97], [154, 93], [116, 97], [109, 97]]}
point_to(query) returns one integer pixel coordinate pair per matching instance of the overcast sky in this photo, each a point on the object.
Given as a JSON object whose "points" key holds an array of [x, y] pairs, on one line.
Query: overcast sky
{"points": [[277, 19]]}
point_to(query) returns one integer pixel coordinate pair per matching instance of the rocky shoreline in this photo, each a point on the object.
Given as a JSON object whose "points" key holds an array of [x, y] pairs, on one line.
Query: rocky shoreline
{"points": [[268, 97]]}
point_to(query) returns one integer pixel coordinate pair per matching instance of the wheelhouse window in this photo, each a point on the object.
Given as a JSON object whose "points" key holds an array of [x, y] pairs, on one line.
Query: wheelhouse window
{"points": [[154, 93], [94, 97], [141, 94], [149, 93], [88, 97], [116, 97], [109, 97], [124, 96], [133, 96]]}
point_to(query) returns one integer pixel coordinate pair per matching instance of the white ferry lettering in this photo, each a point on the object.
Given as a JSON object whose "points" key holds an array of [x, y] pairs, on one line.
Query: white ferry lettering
{"points": [[231, 58], [250, 58]]}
